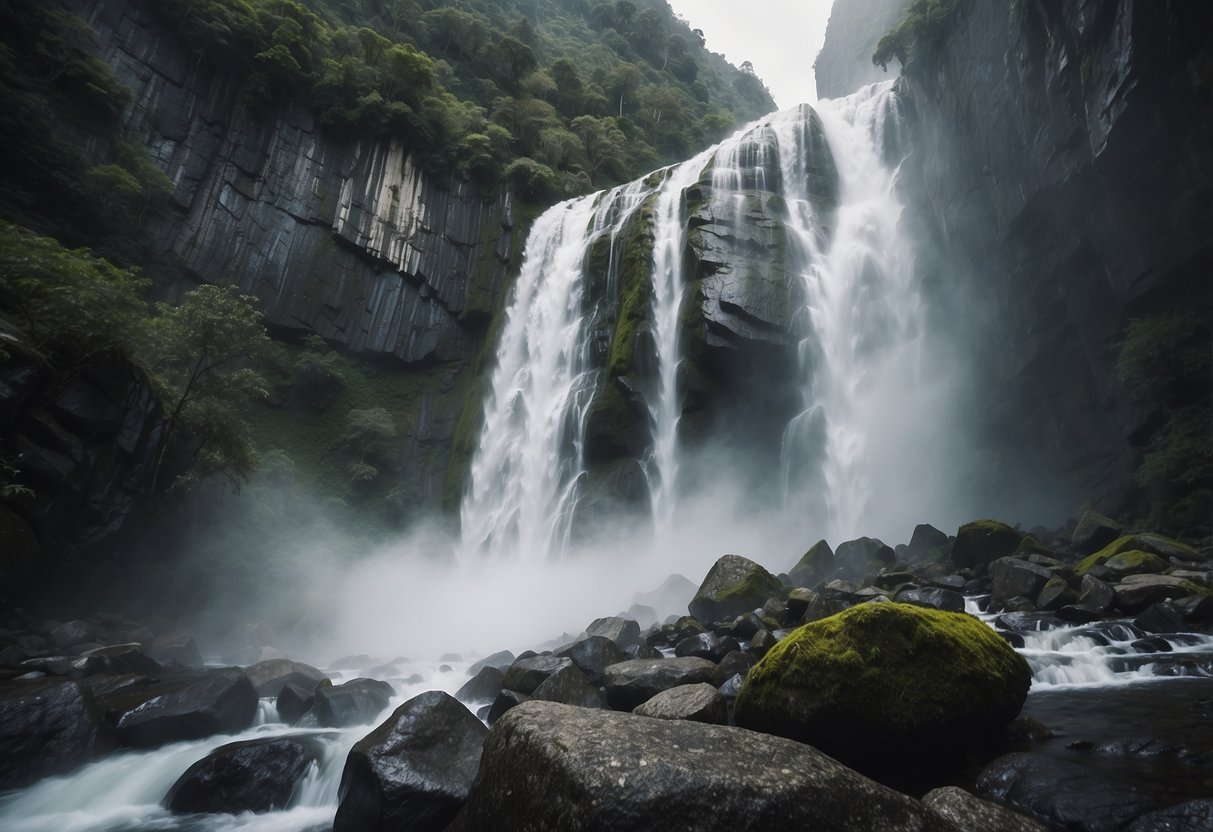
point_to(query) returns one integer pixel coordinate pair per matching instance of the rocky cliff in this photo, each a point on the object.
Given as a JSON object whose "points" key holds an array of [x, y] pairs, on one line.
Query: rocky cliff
{"points": [[1058, 193], [844, 63]]}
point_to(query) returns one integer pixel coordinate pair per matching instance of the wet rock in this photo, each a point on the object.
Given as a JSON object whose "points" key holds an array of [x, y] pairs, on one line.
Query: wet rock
{"points": [[855, 558], [698, 703], [733, 586], [1191, 816], [799, 600], [1096, 595], [704, 646], [176, 648], [414, 770], [357, 702], [983, 542], [633, 683], [254, 776], [269, 677], [294, 701], [1197, 609], [1061, 793], [485, 685], [500, 660], [120, 659], [524, 675], [1012, 577], [569, 686], [623, 631], [548, 766], [1136, 592], [1163, 617], [72, 633], [736, 661], [886, 681], [940, 599], [1078, 614], [1093, 532], [813, 566], [505, 700], [761, 643], [927, 544], [969, 813], [1055, 595], [187, 706], [47, 727]]}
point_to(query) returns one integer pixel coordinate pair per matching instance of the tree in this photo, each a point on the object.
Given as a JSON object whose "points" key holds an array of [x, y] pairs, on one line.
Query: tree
{"points": [[368, 442], [207, 354], [603, 142], [318, 376], [515, 60], [622, 82]]}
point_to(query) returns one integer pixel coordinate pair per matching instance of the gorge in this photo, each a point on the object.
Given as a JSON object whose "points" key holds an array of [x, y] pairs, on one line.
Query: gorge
{"points": [[977, 288]]}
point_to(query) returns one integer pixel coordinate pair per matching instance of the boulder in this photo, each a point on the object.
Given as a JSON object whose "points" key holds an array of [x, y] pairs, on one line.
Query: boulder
{"points": [[1096, 595], [505, 700], [704, 646], [698, 703], [47, 727], [674, 593], [357, 702], [500, 660], [927, 544], [253, 776], [1134, 562], [294, 701], [1190, 816], [635, 682], [934, 597], [1055, 594], [593, 656], [972, 814], [1015, 578], [853, 559], [569, 686], [548, 766], [1060, 793], [1163, 617], [1136, 592], [269, 677], [524, 675], [72, 633], [814, 566], [982, 542], [189, 705], [1093, 532], [176, 647], [623, 631], [120, 659], [883, 681], [1154, 544], [485, 685], [734, 585], [414, 770]]}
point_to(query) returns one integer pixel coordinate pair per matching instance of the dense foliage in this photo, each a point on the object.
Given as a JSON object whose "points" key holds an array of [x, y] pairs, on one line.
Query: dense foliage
{"points": [[556, 96], [920, 30]]}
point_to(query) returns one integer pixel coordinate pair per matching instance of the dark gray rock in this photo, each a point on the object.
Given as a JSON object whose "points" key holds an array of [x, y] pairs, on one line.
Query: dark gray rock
{"points": [[269, 677], [505, 700], [927, 544], [934, 597], [500, 660], [294, 701], [414, 770], [623, 631], [72, 633], [176, 648], [593, 656], [147, 713], [813, 566], [698, 703], [524, 675], [854, 558], [1093, 532], [703, 646], [1163, 617], [485, 685], [357, 702], [47, 727], [253, 776], [1055, 595], [548, 766], [972, 814], [120, 659], [1015, 578], [1190, 816], [734, 585], [1096, 594], [632, 683], [983, 542], [1136, 592], [569, 686], [1061, 793]]}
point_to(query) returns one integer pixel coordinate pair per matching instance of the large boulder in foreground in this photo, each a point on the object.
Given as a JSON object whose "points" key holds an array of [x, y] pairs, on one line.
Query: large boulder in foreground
{"points": [[413, 771], [253, 776], [885, 681], [734, 585], [47, 727], [972, 814], [549, 767]]}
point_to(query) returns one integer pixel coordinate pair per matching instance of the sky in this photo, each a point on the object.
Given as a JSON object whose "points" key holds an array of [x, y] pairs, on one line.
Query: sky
{"points": [[780, 37]]}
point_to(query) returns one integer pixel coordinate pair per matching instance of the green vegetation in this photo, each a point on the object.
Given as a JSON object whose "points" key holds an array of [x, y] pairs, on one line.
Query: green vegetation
{"points": [[553, 96], [885, 680], [1140, 544], [920, 31], [1165, 364]]}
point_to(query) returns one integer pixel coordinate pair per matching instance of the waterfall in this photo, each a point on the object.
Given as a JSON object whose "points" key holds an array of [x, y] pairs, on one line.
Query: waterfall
{"points": [[854, 310]]}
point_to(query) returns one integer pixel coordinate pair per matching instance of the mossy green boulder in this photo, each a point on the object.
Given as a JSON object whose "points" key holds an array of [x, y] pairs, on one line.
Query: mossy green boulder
{"points": [[734, 585], [886, 682], [984, 541], [814, 565], [1146, 543]]}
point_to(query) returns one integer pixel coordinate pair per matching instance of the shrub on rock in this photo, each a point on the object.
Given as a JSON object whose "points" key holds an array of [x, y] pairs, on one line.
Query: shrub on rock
{"points": [[734, 585], [885, 680]]}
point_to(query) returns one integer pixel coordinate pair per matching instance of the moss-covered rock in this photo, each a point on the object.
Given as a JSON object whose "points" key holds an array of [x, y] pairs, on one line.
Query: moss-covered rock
{"points": [[1135, 562], [1154, 544], [983, 541], [814, 565], [734, 585], [886, 682]]}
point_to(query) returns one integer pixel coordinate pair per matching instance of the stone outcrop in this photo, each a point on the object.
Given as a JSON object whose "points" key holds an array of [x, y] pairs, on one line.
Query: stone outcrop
{"points": [[844, 63]]}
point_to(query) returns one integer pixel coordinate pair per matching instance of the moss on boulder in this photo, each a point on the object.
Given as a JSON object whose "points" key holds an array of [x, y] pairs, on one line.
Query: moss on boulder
{"points": [[886, 682], [814, 565], [983, 541], [734, 585], [1147, 543]]}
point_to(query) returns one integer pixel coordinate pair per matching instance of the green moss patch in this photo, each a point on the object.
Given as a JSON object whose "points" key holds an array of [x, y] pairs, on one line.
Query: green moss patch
{"points": [[885, 680]]}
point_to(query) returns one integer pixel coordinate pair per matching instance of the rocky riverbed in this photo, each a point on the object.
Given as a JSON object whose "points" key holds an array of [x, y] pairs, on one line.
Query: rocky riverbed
{"points": [[908, 666]]}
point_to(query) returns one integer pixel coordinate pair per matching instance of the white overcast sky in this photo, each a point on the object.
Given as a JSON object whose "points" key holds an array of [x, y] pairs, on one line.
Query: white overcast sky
{"points": [[780, 37]]}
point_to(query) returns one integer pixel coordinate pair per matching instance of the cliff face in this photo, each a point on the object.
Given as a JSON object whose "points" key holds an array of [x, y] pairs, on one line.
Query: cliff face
{"points": [[347, 240], [1060, 191], [844, 63]]}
